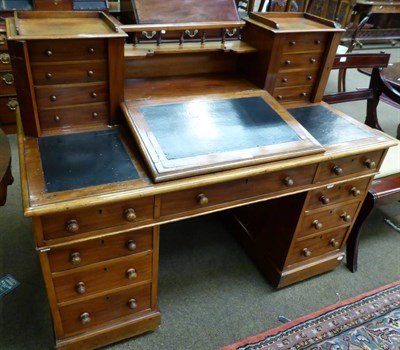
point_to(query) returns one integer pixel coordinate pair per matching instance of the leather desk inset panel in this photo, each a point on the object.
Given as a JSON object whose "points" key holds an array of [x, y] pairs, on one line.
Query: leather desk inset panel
{"points": [[327, 127], [216, 126], [84, 159]]}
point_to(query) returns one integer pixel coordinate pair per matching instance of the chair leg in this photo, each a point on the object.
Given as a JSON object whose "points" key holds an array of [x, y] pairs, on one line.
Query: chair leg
{"points": [[354, 236]]}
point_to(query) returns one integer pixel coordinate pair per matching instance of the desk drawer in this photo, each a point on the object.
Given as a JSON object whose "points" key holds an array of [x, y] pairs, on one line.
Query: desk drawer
{"points": [[199, 199], [69, 224], [69, 94], [90, 114], [67, 50], [332, 194], [293, 78], [79, 317], [319, 221], [104, 248], [69, 72], [294, 93], [7, 85], [104, 276], [308, 61], [8, 106], [337, 168], [316, 245], [53, 5], [304, 42]]}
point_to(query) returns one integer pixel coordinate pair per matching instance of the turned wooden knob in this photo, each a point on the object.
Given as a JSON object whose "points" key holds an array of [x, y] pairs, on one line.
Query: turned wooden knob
{"points": [[131, 274], [80, 288], [56, 118], [303, 94], [91, 51], [317, 224], [334, 243], [85, 318], [72, 226], [53, 98], [370, 164], [324, 199], [49, 75], [306, 252], [49, 53], [279, 97], [317, 42], [90, 73], [288, 181], [309, 77], [346, 217], [313, 60], [355, 191], [292, 43], [95, 114], [130, 214], [284, 80], [76, 258], [132, 304], [337, 170], [288, 62], [93, 94], [202, 199], [131, 245]]}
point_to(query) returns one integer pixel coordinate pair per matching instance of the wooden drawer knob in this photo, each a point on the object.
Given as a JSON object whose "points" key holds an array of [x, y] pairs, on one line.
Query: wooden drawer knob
{"points": [[53, 98], [303, 94], [56, 118], [355, 191], [346, 217], [313, 60], [5, 58], [317, 224], [76, 258], [306, 252], [3, 39], [324, 200], [131, 274], [132, 304], [49, 53], [292, 43], [284, 80], [279, 97], [85, 318], [288, 62], [202, 199], [49, 76], [131, 245], [12, 104], [91, 51], [8, 78], [93, 94], [130, 214], [90, 73], [309, 77], [95, 114], [288, 181], [72, 226], [317, 42], [370, 164], [334, 243], [337, 170], [80, 288]]}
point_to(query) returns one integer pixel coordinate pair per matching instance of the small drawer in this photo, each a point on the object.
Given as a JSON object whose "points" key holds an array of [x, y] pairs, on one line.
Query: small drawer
{"points": [[7, 85], [67, 50], [75, 72], [319, 221], [199, 199], [104, 248], [332, 194], [104, 276], [292, 78], [316, 246], [65, 95], [8, 106], [309, 61], [5, 62], [342, 167], [72, 223], [304, 42], [3, 42], [295, 93], [79, 317], [74, 116], [53, 5]]}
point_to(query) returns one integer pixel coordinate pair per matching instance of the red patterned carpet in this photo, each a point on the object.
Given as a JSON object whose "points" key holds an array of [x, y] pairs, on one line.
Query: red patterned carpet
{"points": [[370, 321]]}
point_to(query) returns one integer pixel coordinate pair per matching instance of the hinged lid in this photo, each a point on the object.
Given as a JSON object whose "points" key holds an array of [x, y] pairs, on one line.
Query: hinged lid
{"points": [[185, 136]]}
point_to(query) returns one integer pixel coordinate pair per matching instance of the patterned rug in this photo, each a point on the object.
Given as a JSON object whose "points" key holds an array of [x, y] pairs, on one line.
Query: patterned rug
{"points": [[370, 321]]}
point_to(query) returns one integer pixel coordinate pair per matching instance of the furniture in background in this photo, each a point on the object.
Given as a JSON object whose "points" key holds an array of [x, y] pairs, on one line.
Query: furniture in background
{"points": [[6, 178], [380, 7], [386, 185], [99, 178]]}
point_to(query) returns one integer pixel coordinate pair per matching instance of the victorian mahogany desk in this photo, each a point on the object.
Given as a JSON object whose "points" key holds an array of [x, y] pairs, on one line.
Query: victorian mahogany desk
{"points": [[116, 140]]}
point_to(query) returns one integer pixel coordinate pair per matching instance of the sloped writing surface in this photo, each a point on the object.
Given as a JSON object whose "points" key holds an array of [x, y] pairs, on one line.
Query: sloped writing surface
{"points": [[73, 161], [205, 127], [327, 127], [191, 135]]}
